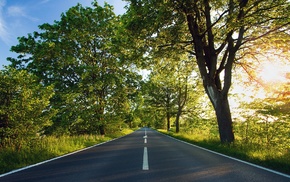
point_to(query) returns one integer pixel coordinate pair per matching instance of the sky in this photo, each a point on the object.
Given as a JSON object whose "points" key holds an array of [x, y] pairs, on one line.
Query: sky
{"points": [[20, 17]]}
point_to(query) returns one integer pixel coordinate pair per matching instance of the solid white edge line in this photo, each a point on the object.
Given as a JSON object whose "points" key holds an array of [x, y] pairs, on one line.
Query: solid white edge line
{"points": [[65, 155], [145, 159], [239, 160]]}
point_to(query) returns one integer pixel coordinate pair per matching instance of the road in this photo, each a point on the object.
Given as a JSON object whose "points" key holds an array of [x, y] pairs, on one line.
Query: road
{"points": [[144, 155]]}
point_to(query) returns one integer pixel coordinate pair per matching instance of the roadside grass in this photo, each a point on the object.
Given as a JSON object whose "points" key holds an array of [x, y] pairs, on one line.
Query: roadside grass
{"points": [[269, 157], [49, 147]]}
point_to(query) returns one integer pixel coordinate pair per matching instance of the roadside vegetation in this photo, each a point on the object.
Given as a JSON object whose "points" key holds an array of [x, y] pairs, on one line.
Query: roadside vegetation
{"points": [[199, 67], [264, 144], [35, 151]]}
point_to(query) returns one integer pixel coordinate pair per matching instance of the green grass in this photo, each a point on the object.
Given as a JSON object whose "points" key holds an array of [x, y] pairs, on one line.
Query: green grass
{"points": [[270, 157], [47, 148]]}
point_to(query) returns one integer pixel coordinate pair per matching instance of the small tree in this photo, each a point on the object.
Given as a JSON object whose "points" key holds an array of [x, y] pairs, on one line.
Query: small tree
{"points": [[24, 107]]}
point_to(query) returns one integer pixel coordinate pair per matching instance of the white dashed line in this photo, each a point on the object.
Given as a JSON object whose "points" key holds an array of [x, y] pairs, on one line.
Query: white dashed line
{"points": [[145, 159]]}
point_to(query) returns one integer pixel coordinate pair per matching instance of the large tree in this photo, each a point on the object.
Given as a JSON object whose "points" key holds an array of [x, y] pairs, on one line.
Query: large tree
{"points": [[216, 33], [80, 56]]}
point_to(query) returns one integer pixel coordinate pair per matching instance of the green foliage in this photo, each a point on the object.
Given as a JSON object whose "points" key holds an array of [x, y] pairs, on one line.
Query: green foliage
{"points": [[262, 134], [216, 33], [80, 56], [79, 75], [170, 88], [24, 107], [49, 147], [265, 144]]}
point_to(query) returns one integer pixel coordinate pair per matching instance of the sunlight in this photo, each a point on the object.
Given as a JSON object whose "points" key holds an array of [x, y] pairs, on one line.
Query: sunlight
{"points": [[273, 73]]}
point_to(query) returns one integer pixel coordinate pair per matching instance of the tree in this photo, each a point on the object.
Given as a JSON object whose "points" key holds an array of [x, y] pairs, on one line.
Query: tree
{"points": [[161, 95], [215, 33], [24, 107], [80, 55], [185, 84], [170, 86]]}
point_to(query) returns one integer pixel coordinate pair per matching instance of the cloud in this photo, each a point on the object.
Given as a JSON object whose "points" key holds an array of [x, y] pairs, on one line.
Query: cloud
{"points": [[18, 11], [15, 11], [4, 34], [44, 1], [2, 3]]}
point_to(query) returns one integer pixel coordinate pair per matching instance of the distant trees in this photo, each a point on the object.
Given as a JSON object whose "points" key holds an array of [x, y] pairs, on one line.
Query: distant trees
{"points": [[170, 88]]}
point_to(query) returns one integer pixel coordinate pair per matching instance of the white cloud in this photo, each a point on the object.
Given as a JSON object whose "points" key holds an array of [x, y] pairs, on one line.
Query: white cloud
{"points": [[44, 1], [15, 11], [2, 3], [4, 34], [18, 11]]}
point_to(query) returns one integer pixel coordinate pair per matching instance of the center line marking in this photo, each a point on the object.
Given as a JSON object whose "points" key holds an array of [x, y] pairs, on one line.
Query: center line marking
{"points": [[145, 138], [145, 159]]}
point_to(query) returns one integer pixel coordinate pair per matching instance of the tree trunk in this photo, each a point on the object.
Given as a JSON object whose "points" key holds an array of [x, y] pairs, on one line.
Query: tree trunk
{"points": [[168, 108], [223, 114], [168, 120], [102, 130], [182, 99], [177, 119], [224, 120], [101, 123]]}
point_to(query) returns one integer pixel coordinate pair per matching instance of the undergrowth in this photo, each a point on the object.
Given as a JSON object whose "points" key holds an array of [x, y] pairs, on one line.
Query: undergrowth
{"points": [[270, 157], [48, 147]]}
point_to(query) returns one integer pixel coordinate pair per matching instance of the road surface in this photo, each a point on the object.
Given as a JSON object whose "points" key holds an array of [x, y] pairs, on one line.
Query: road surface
{"points": [[144, 155]]}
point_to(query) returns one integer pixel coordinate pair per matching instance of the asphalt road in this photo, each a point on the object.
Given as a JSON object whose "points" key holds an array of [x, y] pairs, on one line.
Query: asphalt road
{"points": [[144, 155]]}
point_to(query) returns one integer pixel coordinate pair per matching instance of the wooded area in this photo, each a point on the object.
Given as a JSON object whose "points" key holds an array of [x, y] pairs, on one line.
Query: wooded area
{"points": [[83, 73]]}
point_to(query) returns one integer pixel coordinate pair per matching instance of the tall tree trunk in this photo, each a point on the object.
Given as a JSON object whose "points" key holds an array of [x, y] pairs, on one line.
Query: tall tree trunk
{"points": [[100, 114], [224, 120], [168, 109], [182, 99], [102, 130], [168, 120], [223, 114], [177, 119]]}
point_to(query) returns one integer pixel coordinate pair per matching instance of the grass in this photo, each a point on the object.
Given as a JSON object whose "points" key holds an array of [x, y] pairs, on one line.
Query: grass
{"points": [[50, 147], [269, 157], [47, 148]]}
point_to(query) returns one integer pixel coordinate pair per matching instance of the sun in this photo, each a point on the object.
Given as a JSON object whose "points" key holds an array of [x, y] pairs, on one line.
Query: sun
{"points": [[273, 73]]}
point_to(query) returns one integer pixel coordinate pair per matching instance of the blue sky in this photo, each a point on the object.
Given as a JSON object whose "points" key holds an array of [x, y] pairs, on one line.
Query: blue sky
{"points": [[20, 17]]}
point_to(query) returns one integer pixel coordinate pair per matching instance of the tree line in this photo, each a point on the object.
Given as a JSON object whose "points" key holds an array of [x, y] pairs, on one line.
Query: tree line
{"points": [[80, 75]]}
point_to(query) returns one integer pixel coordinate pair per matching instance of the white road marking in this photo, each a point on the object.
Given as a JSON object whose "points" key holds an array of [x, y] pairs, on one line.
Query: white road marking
{"points": [[145, 138], [239, 160], [145, 159]]}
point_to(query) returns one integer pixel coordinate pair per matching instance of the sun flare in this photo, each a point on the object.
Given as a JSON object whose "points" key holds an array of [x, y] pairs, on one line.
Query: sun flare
{"points": [[272, 73], [272, 76]]}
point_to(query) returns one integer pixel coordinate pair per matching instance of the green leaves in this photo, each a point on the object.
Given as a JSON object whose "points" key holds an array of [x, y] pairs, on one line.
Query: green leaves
{"points": [[80, 56], [90, 56], [24, 107]]}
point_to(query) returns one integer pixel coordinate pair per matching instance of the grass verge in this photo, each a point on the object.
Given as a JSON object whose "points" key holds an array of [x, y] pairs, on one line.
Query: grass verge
{"points": [[266, 157], [49, 147]]}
